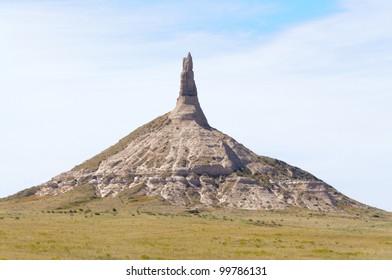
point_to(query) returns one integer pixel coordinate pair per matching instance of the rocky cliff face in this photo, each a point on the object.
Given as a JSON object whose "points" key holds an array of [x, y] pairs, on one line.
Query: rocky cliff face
{"points": [[183, 160]]}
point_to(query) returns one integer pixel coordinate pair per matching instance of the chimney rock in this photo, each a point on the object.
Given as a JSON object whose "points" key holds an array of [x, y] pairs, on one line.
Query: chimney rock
{"points": [[188, 108], [188, 86]]}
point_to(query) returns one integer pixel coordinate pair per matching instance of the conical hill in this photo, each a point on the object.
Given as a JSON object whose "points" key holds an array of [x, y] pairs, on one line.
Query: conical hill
{"points": [[180, 158]]}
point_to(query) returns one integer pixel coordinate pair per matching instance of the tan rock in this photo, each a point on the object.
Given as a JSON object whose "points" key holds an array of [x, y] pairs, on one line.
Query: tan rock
{"points": [[182, 159]]}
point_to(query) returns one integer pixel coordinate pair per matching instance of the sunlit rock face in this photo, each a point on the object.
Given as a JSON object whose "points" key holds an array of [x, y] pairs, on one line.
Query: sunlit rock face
{"points": [[180, 158]]}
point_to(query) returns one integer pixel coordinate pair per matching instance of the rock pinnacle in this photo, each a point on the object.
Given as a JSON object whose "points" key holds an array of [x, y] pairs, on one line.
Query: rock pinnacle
{"points": [[188, 86], [188, 107]]}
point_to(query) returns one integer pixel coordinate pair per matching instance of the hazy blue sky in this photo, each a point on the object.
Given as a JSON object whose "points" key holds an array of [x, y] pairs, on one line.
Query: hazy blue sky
{"points": [[307, 82]]}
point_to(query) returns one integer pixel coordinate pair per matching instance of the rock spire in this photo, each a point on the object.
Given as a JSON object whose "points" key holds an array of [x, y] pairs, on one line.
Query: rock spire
{"points": [[188, 108], [188, 86]]}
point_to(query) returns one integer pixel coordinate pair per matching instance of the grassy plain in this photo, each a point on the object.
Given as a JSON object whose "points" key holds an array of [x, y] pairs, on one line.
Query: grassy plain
{"points": [[144, 228]]}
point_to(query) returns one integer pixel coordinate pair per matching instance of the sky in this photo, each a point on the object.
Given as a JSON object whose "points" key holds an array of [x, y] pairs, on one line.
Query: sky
{"points": [[307, 82]]}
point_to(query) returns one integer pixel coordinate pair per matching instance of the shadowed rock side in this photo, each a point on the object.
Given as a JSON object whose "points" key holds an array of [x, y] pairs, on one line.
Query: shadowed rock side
{"points": [[183, 160]]}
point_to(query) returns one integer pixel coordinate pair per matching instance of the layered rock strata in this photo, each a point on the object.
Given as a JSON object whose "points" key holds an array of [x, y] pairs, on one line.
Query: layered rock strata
{"points": [[181, 159]]}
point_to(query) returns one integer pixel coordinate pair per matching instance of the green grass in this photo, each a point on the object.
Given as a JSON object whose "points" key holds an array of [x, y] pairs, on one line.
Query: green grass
{"points": [[144, 228]]}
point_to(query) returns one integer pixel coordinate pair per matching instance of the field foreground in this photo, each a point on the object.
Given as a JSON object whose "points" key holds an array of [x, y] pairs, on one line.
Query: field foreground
{"points": [[147, 229]]}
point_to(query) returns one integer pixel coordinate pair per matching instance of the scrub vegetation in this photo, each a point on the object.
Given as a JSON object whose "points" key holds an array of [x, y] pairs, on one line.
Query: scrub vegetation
{"points": [[128, 227]]}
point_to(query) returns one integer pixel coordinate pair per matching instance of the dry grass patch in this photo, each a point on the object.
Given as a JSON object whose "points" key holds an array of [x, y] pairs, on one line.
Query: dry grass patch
{"points": [[149, 230]]}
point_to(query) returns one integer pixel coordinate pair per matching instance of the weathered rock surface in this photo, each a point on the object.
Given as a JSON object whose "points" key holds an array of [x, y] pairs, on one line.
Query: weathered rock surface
{"points": [[183, 160]]}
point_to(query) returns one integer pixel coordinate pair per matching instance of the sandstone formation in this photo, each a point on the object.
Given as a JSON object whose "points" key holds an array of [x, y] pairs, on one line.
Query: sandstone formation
{"points": [[181, 159]]}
